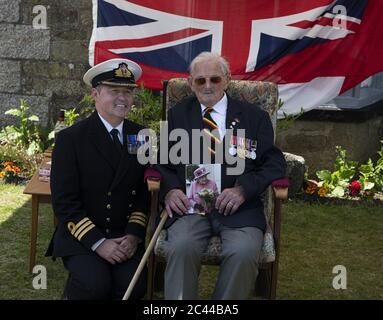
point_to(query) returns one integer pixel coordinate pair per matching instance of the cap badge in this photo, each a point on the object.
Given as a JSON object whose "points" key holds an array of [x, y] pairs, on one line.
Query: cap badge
{"points": [[122, 71]]}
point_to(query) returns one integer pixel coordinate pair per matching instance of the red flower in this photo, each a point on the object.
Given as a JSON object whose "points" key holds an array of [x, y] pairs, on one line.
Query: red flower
{"points": [[354, 188]]}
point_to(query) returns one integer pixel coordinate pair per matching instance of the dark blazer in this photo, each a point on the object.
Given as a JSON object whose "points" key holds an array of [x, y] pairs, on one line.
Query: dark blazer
{"points": [[259, 173], [97, 192]]}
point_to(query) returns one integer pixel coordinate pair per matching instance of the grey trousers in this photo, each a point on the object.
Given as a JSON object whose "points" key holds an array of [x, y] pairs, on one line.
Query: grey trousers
{"points": [[188, 238]]}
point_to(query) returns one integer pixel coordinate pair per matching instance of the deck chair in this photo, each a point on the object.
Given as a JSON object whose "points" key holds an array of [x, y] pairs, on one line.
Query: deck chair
{"points": [[265, 94]]}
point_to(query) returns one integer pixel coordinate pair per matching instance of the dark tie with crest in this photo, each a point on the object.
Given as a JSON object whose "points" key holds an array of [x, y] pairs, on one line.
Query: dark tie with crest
{"points": [[209, 125], [116, 141]]}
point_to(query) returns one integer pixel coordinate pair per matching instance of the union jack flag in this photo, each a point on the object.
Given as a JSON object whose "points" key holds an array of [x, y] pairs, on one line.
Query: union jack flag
{"points": [[314, 49]]}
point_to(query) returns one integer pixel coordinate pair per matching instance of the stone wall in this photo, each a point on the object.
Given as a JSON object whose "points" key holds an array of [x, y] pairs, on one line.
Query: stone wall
{"points": [[43, 66], [315, 135]]}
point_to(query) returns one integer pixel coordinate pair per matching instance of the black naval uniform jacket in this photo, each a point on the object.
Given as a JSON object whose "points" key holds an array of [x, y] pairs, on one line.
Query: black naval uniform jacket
{"points": [[259, 173], [97, 192]]}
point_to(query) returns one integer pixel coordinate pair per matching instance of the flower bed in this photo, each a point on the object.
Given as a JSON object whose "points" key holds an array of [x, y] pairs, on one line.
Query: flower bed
{"points": [[349, 180], [375, 200]]}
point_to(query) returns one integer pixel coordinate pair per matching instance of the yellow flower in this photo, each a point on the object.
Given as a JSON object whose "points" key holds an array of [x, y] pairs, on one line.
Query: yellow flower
{"points": [[323, 191], [2, 174]]}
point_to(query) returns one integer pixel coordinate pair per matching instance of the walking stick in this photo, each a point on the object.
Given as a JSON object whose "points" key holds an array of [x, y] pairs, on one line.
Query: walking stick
{"points": [[146, 255]]}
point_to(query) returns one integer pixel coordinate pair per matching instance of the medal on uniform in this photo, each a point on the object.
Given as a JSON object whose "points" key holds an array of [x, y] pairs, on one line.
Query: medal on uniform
{"points": [[246, 148], [253, 144], [132, 139], [233, 142], [241, 151], [247, 152], [132, 143], [232, 151], [234, 123], [141, 140]]}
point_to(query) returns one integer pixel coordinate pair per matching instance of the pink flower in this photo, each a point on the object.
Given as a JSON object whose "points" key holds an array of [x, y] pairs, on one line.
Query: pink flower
{"points": [[354, 188]]}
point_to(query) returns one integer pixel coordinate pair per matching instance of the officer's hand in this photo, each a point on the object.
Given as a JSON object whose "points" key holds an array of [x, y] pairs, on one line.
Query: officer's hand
{"points": [[129, 245], [229, 200], [176, 201], [110, 251]]}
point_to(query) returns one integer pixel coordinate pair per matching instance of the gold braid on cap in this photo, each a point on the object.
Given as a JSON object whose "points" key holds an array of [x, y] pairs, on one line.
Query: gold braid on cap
{"points": [[122, 71]]}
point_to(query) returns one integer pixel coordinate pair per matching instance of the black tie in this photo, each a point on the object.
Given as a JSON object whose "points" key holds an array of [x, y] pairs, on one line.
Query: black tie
{"points": [[209, 125], [116, 141]]}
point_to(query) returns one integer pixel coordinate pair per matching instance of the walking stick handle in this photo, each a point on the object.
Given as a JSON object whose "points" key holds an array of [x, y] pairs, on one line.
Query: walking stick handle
{"points": [[146, 255]]}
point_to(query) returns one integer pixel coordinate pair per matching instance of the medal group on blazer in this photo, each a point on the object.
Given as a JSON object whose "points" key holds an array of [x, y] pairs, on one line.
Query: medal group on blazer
{"points": [[240, 146], [243, 147], [135, 141]]}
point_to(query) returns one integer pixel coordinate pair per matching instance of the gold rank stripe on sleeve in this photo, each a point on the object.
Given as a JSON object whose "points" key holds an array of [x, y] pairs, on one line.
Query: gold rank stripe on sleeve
{"points": [[85, 231], [138, 217], [138, 214], [140, 222], [81, 228]]}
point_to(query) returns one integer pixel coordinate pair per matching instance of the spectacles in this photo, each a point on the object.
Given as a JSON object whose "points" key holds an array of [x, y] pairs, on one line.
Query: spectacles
{"points": [[202, 81]]}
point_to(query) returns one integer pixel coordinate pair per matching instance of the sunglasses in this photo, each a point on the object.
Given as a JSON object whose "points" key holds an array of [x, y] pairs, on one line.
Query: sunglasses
{"points": [[202, 81]]}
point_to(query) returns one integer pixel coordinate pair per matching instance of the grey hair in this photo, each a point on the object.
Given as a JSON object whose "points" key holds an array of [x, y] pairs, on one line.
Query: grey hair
{"points": [[206, 55]]}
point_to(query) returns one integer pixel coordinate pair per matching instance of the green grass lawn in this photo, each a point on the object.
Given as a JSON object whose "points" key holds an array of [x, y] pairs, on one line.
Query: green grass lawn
{"points": [[314, 239], [15, 224]]}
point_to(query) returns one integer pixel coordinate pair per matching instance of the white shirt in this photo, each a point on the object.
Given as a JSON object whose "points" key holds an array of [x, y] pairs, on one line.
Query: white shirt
{"points": [[219, 115], [109, 128]]}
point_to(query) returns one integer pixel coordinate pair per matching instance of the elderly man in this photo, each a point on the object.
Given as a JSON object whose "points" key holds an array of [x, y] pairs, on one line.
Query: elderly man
{"points": [[98, 191], [238, 214]]}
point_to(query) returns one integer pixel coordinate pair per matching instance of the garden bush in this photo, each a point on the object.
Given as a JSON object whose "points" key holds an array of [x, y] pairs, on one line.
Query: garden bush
{"points": [[21, 145]]}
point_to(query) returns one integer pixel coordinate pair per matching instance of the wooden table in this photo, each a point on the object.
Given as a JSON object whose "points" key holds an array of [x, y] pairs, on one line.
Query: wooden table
{"points": [[41, 193]]}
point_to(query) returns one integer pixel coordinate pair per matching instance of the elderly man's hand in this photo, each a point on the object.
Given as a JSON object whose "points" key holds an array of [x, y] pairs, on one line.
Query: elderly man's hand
{"points": [[176, 201], [229, 200]]}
